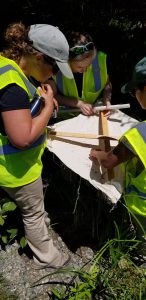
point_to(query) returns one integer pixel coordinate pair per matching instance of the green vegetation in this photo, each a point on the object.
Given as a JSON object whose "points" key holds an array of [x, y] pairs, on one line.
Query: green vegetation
{"points": [[7, 233], [110, 275]]}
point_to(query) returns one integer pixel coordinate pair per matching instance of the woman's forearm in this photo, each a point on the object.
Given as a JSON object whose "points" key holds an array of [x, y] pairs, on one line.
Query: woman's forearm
{"points": [[68, 101]]}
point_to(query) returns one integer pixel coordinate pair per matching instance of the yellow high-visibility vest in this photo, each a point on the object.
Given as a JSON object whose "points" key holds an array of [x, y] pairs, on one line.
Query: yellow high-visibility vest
{"points": [[18, 167], [135, 181], [94, 80]]}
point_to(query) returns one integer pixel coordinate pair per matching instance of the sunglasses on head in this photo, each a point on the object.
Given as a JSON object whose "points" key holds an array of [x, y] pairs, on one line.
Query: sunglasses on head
{"points": [[81, 49]]}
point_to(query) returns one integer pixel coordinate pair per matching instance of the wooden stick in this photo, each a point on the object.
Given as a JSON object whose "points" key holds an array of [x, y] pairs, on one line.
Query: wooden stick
{"points": [[53, 133], [104, 126], [105, 144]]}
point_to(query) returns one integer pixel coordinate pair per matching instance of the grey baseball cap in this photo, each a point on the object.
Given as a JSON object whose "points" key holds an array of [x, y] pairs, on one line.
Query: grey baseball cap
{"points": [[51, 41], [138, 77]]}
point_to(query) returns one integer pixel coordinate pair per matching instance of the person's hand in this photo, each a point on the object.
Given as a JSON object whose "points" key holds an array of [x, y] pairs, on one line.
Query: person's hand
{"points": [[93, 154], [47, 94], [46, 87], [97, 154], [52, 84], [56, 105], [85, 108], [107, 112]]}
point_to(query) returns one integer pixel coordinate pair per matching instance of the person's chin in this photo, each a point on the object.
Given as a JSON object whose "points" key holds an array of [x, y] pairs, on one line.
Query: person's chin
{"points": [[143, 106]]}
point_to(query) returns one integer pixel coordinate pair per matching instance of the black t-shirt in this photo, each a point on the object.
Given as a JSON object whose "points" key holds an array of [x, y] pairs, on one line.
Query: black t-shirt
{"points": [[12, 97], [79, 82]]}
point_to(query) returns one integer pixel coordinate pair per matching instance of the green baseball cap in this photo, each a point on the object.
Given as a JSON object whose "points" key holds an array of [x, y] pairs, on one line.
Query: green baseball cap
{"points": [[138, 77]]}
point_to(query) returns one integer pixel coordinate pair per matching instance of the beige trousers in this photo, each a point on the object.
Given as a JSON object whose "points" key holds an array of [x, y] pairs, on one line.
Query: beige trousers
{"points": [[30, 201]]}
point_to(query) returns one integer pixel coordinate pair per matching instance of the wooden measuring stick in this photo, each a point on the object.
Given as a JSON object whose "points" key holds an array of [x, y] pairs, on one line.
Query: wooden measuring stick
{"points": [[105, 143], [53, 133]]}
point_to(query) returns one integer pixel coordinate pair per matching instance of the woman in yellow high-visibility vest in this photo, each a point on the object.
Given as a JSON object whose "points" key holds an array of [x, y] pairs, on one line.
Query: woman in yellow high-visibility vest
{"points": [[131, 152], [91, 82], [35, 52]]}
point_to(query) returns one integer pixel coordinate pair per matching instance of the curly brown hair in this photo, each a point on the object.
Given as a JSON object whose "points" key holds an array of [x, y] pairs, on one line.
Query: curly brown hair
{"points": [[16, 37], [78, 38]]}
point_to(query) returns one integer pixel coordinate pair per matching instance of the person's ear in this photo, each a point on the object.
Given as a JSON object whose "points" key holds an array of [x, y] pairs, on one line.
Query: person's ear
{"points": [[39, 55]]}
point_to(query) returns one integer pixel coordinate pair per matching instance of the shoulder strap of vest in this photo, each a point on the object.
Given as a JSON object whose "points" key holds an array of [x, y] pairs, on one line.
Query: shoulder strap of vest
{"points": [[59, 81], [96, 73], [141, 127], [28, 84]]}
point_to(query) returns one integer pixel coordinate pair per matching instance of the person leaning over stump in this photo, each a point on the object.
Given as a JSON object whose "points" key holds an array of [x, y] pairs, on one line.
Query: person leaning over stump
{"points": [[38, 52], [90, 83], [131, 153]]}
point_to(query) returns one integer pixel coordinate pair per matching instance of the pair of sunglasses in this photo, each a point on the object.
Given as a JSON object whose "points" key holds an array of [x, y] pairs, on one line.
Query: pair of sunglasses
{"points": [[81, 49]]}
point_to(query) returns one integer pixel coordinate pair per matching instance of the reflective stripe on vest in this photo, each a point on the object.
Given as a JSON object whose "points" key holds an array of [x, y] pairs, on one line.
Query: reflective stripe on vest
{"points": [[132, 188], [135, 182], [96, 75], [28, 84], [141, 127], [10, 149]]}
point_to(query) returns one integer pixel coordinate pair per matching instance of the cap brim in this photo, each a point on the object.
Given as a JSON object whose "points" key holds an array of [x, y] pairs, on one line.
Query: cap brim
{"points": [[65, 69], [128, 87]]}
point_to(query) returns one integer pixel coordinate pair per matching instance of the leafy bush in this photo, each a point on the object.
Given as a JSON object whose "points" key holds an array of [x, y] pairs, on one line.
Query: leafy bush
{"points": [[8, 234]]}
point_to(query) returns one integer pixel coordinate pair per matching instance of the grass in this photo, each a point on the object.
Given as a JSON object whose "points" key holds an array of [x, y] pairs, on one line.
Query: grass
{"points": [[111, 274]]}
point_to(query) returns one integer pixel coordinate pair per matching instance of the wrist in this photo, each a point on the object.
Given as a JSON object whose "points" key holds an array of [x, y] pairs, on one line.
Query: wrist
{"points": [[78, 104], [107, 101]]}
